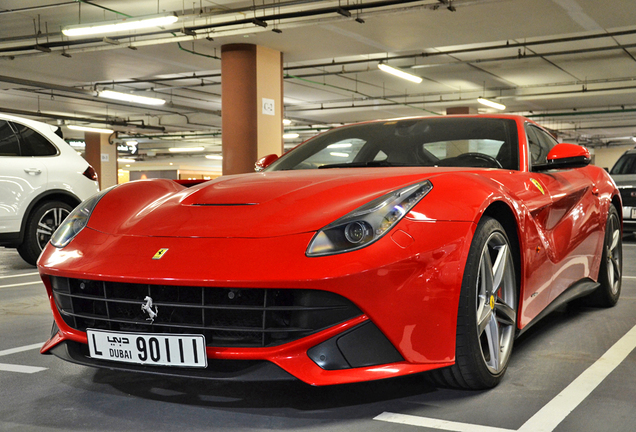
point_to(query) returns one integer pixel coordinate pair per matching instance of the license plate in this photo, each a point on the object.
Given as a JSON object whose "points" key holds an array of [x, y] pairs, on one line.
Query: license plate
{"points": [[148, 348], [634, 213]]}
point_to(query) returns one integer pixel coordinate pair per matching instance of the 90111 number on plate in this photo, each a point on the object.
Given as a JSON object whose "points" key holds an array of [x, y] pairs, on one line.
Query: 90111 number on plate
{"points": [[148, 349]]}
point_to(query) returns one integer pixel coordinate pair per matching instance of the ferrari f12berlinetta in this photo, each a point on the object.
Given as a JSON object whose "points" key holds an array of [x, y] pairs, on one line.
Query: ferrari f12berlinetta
{"points": [[371, 251]]}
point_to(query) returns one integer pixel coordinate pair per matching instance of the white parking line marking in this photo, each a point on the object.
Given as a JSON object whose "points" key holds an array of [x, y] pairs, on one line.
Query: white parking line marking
{"points": [[19, 275], [20, 368], [436, 423], [20, 284], [549, 417], [555, 411], [20, 349]]}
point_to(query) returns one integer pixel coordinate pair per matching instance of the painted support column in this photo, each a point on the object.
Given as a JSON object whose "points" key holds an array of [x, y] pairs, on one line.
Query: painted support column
{"points": [[251, 105], [460, 110], [103, 157]]}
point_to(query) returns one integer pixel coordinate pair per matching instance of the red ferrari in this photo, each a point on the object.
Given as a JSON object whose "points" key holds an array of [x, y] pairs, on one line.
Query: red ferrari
{"points": [[371, 251]]}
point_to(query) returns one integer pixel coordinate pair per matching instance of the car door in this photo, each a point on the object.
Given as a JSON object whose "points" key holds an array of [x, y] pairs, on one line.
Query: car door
{"points": [[571, 222], [21, 178]]}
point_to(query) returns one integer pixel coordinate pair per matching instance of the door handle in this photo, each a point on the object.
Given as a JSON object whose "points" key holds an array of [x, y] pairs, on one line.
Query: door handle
{"points": [[32, 171]]}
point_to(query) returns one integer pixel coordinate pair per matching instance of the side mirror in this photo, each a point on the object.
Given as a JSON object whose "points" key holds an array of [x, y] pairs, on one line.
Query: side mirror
{"points": [[568, 156], [264, 162]]}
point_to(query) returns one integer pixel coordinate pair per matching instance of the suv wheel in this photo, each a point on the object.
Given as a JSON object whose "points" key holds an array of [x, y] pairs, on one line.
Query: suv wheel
{"points": [[42, 223]]}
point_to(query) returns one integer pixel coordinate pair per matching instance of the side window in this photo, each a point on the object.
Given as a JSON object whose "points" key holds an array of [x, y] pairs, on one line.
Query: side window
{"points": [[32, 143], [539, 144], [8, 140], [625, 165]]}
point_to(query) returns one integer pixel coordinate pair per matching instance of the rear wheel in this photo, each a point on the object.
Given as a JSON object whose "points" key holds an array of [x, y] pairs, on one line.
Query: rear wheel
{"points": [[40, 226], [487, 313], [610, 272]]}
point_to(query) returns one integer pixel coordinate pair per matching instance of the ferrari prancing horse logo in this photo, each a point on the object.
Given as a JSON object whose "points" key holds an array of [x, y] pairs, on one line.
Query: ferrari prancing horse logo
{"points": [[538, 185], [160, 253]]}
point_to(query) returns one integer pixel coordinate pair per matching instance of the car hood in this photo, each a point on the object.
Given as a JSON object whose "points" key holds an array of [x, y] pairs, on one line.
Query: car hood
{"points": [[250, 205]]}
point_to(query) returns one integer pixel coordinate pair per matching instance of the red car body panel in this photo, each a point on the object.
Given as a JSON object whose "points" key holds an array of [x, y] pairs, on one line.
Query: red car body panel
{"points": [[252, 231]]}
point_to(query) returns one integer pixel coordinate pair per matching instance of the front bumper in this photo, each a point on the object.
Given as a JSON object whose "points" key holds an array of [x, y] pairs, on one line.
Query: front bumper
{"points": [[408, 302], [629, 219]]}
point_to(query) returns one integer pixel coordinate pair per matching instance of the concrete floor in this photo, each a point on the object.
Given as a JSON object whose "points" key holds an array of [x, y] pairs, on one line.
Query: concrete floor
{"points": [[539, 392]]}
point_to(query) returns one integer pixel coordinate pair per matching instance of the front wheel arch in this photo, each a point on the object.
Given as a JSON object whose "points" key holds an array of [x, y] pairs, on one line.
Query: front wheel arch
{"points": [[49, 195], [503, 214], [464, 374]]}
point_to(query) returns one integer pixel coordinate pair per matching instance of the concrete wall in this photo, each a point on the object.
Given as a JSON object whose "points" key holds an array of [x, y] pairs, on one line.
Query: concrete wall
{"points": [[606, 156]]}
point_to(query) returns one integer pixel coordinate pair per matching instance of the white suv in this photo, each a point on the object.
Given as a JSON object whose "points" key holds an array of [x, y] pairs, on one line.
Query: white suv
{"points": [[41, 180]]}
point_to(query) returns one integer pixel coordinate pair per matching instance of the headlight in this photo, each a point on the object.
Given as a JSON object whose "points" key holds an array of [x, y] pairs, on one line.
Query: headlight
{"points": [[76, 221], [368, 223]]}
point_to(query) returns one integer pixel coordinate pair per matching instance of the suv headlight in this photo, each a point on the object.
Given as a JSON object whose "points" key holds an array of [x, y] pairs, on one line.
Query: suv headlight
{"points": [[368, 223], [76, 221]]}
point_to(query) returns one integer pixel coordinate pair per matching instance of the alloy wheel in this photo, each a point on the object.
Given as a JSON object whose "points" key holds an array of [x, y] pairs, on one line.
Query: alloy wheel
{"points": [[48, 223], [613, 253], [496, 311]]}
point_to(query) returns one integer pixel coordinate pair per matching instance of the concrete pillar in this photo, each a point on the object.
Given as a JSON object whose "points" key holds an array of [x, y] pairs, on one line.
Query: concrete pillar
{"points": [[460, 110], [251, 105], [103, 157]]}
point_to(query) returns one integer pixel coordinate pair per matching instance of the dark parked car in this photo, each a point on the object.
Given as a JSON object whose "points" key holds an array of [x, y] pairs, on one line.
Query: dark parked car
{"points": [[624, 174]]}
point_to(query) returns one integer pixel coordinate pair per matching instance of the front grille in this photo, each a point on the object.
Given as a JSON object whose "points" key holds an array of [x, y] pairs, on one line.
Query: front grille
{"points": [[227, 317]]}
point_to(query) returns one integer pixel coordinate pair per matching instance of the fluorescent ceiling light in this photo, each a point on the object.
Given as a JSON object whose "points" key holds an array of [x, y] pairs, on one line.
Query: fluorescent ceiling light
{"points": [[131, 143], [399, 73], [125, 160], [89, 129], [214, 157], [124, 24], [127, 97], [185, 149], [491, 104], [342, 145], [337, 154], [287, 122], [291, 136]]}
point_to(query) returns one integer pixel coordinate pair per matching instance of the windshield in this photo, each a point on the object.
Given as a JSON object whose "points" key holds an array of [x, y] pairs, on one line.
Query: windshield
{"points": [[451, 141], [626, 164]]}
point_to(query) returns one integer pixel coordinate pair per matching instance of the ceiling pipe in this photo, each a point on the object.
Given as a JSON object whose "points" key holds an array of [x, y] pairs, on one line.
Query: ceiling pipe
{"points": [[40, 114], [30, 83], [232, 21], [34, 8], [91, 95]]}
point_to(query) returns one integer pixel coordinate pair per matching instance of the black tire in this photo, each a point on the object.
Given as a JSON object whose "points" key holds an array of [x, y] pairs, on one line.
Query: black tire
{"points": [[40, 226], [611, 270], [487, 313]]}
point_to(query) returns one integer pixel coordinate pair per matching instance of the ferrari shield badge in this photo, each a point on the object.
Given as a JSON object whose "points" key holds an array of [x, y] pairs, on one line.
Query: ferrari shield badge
{"points": [[534, 182], [160, 253]]}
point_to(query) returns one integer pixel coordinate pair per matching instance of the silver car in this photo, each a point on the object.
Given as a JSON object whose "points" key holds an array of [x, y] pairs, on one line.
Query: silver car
{"points": [[624, 174]]}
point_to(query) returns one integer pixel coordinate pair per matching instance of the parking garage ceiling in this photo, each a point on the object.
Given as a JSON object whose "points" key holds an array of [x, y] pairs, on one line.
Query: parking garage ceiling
{"points": [[568, 64]]}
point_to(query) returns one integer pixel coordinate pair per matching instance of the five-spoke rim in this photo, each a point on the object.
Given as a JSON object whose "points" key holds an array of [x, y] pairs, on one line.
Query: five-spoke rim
{"points": [[496, 304], [613, 253], [48, 223]]}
